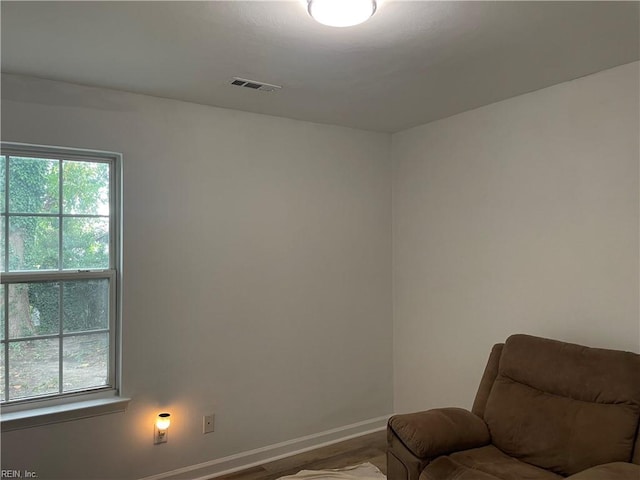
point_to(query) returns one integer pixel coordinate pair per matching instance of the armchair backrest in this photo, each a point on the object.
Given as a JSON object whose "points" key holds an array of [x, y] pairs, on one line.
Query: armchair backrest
{"points": [[488, 377], [561, 406]]}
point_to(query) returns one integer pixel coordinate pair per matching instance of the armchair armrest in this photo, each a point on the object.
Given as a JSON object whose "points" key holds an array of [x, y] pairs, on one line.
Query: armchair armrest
{"points": [[436, 432]]}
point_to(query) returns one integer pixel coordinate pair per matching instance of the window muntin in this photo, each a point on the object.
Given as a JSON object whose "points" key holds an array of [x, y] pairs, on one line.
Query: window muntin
{"points": [[58, 261]]}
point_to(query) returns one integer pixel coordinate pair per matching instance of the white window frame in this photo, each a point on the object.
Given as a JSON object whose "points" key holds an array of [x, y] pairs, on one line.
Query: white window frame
{"points": [[63, 406]]}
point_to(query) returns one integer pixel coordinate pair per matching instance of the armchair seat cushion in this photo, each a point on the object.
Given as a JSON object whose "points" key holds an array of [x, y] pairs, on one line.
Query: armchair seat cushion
{"points": [[617, 470], [485, 463]]}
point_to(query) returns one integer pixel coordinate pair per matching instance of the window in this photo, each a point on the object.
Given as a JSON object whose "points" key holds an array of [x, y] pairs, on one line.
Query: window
{"points": [[59, 264]]}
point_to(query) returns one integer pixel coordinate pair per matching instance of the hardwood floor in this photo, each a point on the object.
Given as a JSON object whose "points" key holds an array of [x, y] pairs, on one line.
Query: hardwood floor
{"points": [[368, 448]]}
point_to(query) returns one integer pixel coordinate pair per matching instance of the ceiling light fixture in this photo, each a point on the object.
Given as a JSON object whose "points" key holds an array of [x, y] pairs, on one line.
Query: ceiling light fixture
{"points": [[341, 13]]}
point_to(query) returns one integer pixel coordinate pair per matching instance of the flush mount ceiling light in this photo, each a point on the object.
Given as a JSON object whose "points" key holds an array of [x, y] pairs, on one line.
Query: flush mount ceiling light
{"points": [[341, 13]]}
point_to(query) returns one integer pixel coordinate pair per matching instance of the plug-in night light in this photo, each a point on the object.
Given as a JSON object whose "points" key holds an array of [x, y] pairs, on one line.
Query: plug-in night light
{"points": [[161, 430]]}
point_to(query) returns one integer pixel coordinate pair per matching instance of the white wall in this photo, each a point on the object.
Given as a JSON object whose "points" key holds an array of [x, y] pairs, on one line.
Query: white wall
{"points": [[257, 281], [518, 217]]}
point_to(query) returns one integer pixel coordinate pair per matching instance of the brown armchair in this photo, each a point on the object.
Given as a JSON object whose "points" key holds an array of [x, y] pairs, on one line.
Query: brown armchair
{"points": [[545, 410]]}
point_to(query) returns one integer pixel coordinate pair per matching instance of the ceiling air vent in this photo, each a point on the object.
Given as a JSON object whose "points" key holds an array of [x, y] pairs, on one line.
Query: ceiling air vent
{"points": [[252, 84]]}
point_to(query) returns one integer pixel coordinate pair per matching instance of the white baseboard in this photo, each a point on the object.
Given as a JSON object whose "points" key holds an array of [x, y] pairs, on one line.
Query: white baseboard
{"points": [[252, 458]]}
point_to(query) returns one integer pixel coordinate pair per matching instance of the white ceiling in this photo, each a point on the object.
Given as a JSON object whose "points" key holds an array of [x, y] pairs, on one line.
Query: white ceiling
{"points": [[413, 62]]}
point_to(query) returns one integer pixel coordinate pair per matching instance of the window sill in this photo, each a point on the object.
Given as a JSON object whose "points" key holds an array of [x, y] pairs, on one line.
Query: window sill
{"points": [[37, 417]]}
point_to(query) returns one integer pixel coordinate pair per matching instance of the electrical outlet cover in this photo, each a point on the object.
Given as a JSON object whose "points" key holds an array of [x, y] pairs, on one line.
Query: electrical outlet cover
{"points": [[208, 423]]}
